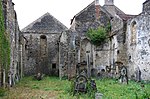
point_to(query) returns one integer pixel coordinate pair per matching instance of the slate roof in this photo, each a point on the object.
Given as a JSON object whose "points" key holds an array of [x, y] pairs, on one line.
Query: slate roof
{"points": [[112, 9], [46, 24], [126, 16]]}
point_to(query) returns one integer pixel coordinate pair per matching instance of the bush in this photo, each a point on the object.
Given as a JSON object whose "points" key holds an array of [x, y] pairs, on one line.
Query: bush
{"points": [[97, 36], [2, 92]]}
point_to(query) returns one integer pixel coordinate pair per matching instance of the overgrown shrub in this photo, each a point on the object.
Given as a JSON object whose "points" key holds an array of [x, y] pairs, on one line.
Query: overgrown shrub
{"points": [[97, 36]]}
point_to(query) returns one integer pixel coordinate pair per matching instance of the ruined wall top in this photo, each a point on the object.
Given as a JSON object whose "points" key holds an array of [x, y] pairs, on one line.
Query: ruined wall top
{"points": [[146, 6]]}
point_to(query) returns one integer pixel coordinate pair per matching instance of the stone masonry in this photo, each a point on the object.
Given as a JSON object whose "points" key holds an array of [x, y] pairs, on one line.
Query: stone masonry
{"points": [[40, 44], [13, 73], [46, 46]]}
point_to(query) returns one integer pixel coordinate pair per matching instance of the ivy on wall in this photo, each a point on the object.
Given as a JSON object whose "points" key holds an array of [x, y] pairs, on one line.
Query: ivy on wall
{"points": [[4, 43]]}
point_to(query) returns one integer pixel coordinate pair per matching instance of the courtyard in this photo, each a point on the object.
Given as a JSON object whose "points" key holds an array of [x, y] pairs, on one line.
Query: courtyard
{"points": [[54, 88]]}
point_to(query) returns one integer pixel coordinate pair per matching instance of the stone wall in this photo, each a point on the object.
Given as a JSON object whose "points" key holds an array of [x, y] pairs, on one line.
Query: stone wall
{"points": [[139, 52], [102, 54], [86, 19], [118, 40], [146, 7], [68, 54], [41, 56], [41, 45], [12, 71]]}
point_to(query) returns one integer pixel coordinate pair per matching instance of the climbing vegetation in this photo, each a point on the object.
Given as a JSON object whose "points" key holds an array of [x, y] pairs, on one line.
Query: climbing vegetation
{"points": [[4, 43], [108, 27]]}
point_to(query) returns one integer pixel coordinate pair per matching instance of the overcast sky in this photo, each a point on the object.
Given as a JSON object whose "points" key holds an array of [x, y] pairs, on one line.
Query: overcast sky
{"points": [[64, 10]]}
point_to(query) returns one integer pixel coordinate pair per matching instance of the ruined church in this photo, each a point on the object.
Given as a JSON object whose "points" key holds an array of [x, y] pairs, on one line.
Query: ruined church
{"points": [[48, 47]]}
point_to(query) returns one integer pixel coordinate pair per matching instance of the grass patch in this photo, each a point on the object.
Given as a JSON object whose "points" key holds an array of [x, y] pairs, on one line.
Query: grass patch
{"points": [[53, 88], [2, 92], [111, 89]]}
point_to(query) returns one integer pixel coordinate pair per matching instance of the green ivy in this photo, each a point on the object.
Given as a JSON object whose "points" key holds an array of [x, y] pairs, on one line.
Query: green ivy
{"points": [[97, 36], [4, 43], [108, 27]]}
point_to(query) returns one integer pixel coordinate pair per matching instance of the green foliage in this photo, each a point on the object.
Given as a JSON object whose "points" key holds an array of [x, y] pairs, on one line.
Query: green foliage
{"points": [[52, 87], [108, 27], [97, 36], [90, 91], [4, 43], [2, 92], [111, 89]]}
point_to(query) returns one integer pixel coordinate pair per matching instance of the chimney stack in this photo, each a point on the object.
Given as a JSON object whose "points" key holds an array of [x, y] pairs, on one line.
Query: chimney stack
{"points": [[109, 2], [97, 9], [96, 2]]}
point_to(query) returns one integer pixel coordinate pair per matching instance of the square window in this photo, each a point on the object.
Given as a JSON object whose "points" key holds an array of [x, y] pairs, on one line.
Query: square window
{"points": [[54, 66]]}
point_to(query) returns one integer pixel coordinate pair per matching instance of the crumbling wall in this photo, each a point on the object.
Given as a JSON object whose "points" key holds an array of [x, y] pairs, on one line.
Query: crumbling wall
{"points": [[11, 69], [41, 45], [13, 29], [117, 42], [146, 7], [139, 52], [93, 16], [41, 56], [68, 54]]}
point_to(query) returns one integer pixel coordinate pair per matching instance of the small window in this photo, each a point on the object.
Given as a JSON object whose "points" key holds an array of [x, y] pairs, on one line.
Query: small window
{"points": [[43, 37], [54, 66], [118, 52]]}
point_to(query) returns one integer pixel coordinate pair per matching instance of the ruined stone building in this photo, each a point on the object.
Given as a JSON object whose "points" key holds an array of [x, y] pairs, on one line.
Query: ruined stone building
{"points": [[40, 45], [127, 44], [47, 46]]}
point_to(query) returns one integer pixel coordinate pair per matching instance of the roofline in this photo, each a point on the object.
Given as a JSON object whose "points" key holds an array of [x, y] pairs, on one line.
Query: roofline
{"points": [[28, 32], [32, 23], [146, 1], [88, 7], [81, 11], [85, 8]]}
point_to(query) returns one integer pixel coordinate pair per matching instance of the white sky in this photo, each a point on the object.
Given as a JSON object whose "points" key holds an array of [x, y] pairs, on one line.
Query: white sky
{"points": [[64, 10]]}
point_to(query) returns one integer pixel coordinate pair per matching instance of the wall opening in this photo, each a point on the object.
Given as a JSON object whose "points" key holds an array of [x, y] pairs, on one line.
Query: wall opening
{"points": [[54, 66], [133, 32], [43, 37], [43, 67], [43, 45]]}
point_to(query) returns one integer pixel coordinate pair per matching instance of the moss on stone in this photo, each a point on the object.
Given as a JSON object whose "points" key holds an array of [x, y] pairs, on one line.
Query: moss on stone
{"points": [[4, 43]]}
